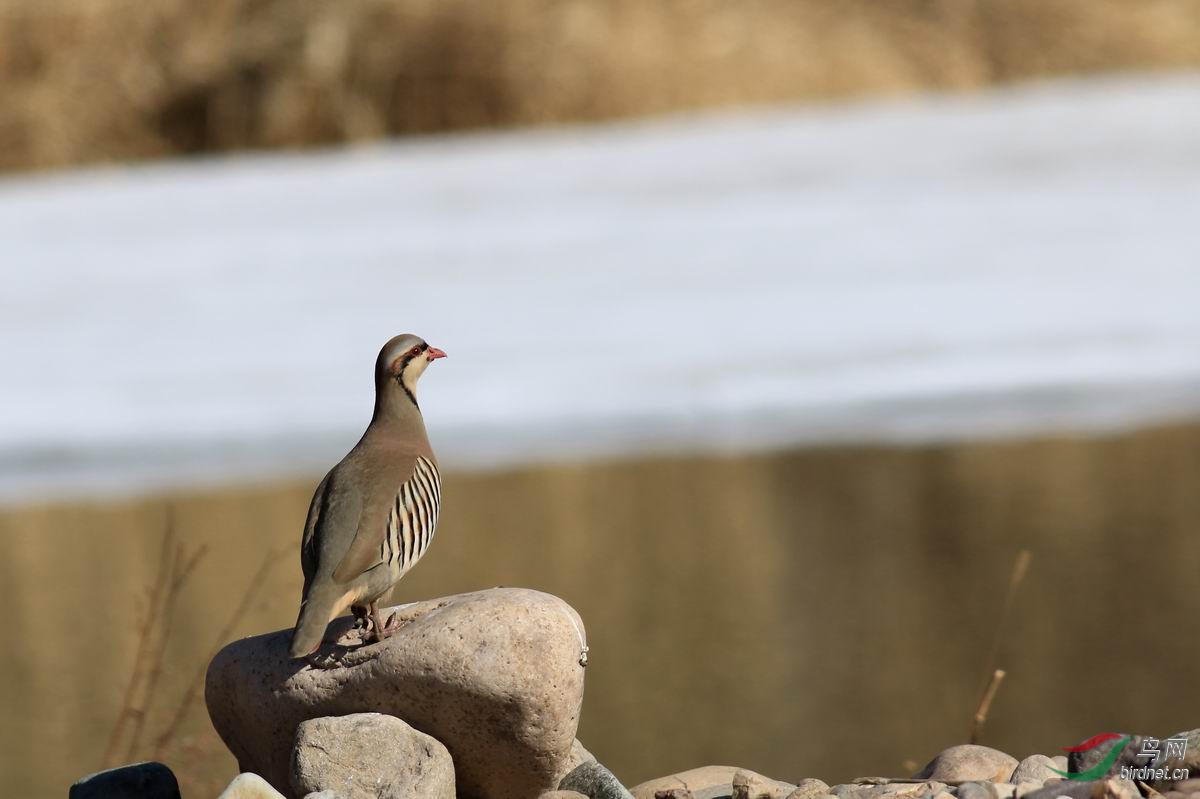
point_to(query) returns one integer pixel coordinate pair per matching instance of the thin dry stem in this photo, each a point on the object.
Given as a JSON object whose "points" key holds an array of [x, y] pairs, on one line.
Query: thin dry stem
{"points": [[182, 567], [985, 704], [189, 697], [991, 681], [136, 675]]}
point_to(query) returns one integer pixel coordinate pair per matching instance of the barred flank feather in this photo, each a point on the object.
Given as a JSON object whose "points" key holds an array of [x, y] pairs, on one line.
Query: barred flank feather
{"points": [[413, 518]]}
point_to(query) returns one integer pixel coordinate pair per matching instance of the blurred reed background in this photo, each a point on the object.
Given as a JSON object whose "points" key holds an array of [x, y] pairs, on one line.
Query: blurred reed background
{"points": [[819, 611], [116, 80]]}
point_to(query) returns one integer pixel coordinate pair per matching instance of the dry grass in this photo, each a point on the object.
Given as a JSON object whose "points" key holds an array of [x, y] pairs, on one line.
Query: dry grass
{"points": [[113, 80], [143, 698]]}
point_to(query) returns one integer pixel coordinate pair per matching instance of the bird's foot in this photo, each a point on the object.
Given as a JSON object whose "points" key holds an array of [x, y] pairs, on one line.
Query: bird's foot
{"points": [[377, 634]]}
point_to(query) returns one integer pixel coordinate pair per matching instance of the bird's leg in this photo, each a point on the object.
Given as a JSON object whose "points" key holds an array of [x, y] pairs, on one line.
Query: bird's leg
{"points": [[378, 633]]}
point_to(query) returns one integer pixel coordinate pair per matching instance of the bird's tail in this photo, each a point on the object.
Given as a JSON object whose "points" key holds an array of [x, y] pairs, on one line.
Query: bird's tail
{"points": [[316, 611]]}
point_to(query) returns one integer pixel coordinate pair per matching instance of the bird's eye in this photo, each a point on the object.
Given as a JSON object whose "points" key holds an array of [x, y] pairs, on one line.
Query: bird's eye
{"points": [[415, 350]]}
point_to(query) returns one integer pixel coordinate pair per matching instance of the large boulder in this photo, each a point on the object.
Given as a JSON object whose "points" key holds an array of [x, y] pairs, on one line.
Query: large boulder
{"points": [[369, 756], [494, 675]]}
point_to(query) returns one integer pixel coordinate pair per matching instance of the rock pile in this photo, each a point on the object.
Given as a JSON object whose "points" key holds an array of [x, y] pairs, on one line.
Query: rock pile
{"points": [[478, 696], [960, 772], [494, 676]]}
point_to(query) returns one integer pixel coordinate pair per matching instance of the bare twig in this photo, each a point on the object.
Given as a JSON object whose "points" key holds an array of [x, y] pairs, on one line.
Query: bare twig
{"points": [[127, 710], [993, 676], [256, 582], [985, 704], [182, 567]]}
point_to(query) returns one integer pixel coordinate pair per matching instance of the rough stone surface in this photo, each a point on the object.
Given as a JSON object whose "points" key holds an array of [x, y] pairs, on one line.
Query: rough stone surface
{"points": [[1083, 789], [149, 780], [322, 795], [1023, 788], [1035, 768], [562, 795], [250, 786], [1060, 763], [809, 789], [1189, 761], [369, 756], [494, 675], [1079, 762], [969, 762], [976, 790], [693, 780], [889, 790], [595, 781], [751, 785], [674, 793]]}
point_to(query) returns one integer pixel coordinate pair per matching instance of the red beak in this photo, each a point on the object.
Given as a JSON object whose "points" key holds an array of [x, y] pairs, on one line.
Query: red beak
{"points": [[433, 353]]}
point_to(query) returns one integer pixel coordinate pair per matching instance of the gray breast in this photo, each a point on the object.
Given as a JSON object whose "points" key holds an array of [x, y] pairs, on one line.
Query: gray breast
{"points": [[413, 517]]}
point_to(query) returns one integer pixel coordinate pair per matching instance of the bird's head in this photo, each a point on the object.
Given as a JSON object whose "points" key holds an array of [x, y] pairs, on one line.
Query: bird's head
{"points": [[400, 365]]}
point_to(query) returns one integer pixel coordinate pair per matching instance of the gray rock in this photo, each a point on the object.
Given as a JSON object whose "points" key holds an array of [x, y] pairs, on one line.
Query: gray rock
{"points": [[149, 780], [322, 795], [562, 795], [370, 756], [809, 789], [1079, 762], [1023, 788], [1190, 761], [1087, 789], [494, 675], [976, 790], [695, 781], [595, 781], [250, 786], [888, 790], [751, 785], [969, 762], [1060, 763], [1035, 768]]}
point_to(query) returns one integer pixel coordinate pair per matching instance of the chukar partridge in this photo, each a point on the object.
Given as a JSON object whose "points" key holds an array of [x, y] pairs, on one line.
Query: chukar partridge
{"points": [[374, 514]]}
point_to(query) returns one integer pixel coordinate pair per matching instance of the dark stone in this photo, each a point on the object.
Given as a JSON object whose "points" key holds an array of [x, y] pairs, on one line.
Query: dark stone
{"points": [[1190, 760], [136, 781], [1078, 762], [593, 780]]}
